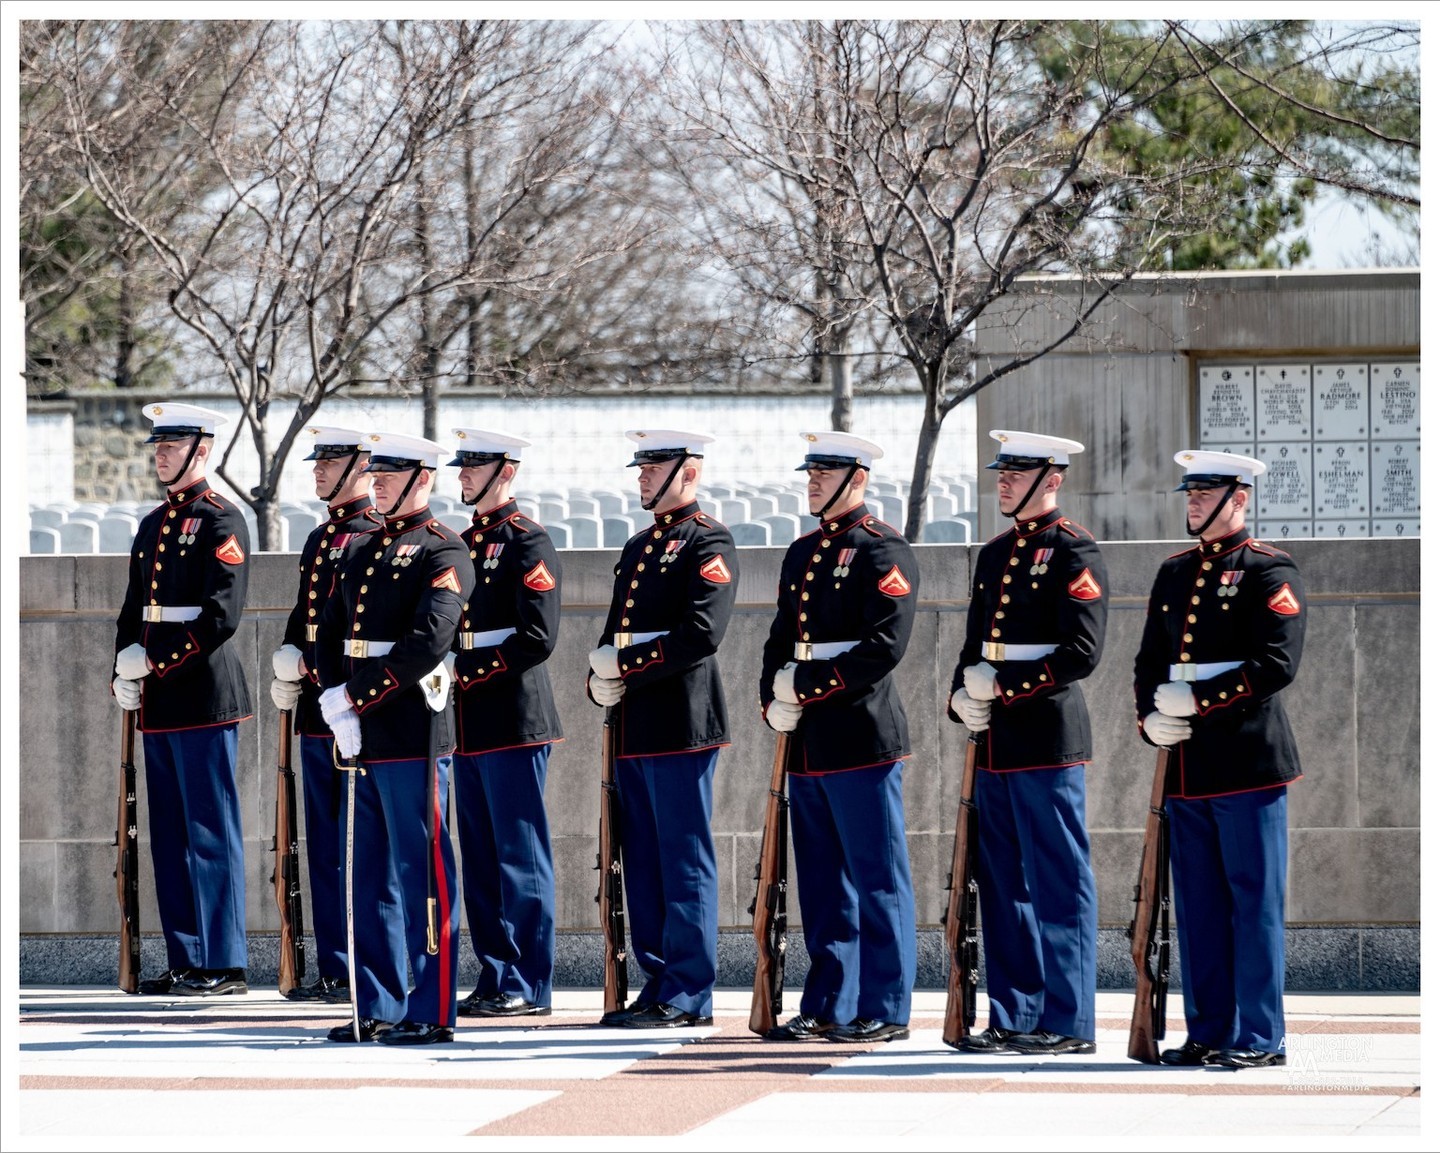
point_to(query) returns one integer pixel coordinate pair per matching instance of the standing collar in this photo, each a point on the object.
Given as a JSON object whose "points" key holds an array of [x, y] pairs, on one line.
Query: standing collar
{"points": [[1227, 543], [497, 515], [844, 521], [1034, 524], [188, 493], [675, 515], [350, 508], [409, 520]]}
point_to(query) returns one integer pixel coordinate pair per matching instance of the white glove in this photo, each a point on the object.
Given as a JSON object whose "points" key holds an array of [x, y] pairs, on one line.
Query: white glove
{"points": [[450, 665], [127, 693], [288, 663], [1166, 731], [1175, 699], [284, 693], [605, 661], [334, 703], [132, 663], [346, 727], [782, 716], [980, 682], [607, 691], [975, 714], [784, 686]]}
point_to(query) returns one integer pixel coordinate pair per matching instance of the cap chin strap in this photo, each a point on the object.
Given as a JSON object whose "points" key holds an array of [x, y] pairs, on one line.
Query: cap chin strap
{"points": [[489, 484], [844, 484], [184, 468], [1214, 512], [405, 492], [1040, 474], [344, 476], [649, 505]]}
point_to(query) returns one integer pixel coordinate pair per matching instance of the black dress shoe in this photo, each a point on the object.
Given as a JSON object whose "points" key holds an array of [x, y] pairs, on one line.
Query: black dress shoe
{"points": [[210, 983], [369, 1030], [619, 1016], [863, 1029], [416, 1033], [800, 1028], [502, 1005], [664, 1016], [331, 990], [1048, 1044], [1191, 1053], [159, 986], [993, 1040], [1247, 1058]]}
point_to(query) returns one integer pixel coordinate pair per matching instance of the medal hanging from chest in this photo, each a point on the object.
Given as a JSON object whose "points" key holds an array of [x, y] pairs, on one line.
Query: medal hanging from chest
{"points": [[672, 550], [492, 556], [1041, 564], [1229, 585], [337, 545], [188, 528], [404, 555], [842, 562]]}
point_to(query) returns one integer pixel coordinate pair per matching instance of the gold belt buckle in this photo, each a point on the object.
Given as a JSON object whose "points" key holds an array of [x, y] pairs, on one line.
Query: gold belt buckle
{"points": [[993, 650], [150, 614], [623, 640], [1188, 674], [359, 649], [310, 633], [804, 651]]}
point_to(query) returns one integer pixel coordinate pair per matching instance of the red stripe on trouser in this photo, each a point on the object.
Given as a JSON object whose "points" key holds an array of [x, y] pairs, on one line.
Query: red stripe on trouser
{"points": [[443, 910]]}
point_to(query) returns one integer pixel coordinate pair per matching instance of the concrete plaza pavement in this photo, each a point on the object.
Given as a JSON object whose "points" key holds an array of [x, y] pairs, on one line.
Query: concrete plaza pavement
{"points": [[97, 1068]]}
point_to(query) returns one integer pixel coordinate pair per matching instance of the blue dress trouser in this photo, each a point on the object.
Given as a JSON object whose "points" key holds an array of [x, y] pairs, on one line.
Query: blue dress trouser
{"points": [[1038, 909], [196, 846], [324, 843], [1228, 859], [507, 870], [672, 897], [857, 901], [390, 891]]}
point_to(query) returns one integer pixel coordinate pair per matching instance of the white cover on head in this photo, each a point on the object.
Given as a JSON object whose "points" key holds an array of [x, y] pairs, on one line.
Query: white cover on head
{"points": [[1035, 445], [332, 436], [669, 440], [1201, 462], [171, 415], [842, 444], [396, 446], [489, 441]]}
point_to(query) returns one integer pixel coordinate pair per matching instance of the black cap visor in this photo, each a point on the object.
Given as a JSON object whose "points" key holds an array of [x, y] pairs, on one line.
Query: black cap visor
{"points": [[821, 460], [392, 464], [1198, 480], [176, 432]]}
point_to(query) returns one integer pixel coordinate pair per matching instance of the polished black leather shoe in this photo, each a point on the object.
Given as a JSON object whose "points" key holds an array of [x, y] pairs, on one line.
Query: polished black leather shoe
{"points": [[327, 989], [504, 1005], [620, 1016], [1190, 1054], [369, 1030], [1247, 1058], [1044, 1043], [210, 983], [664, 1016], [159, 986], [470, 1002], [993, 1040], [416, 1033], [863, 1029], [800, 1028]]}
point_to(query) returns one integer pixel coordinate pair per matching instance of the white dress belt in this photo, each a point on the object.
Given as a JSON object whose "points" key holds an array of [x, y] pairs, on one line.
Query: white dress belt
{"points": [[170, 613], [1203, 671], [993, 651], [625, 640], [362, 649], [484, 640], [822, 650]]}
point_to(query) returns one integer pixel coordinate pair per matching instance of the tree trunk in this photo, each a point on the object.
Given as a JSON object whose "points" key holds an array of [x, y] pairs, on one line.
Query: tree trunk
{"points": [[842, 390], [925, 447], [268, 524]]}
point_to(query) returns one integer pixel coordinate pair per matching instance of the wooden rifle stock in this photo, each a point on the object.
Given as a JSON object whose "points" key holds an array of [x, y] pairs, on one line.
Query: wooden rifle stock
{"points": [[286, 877], [768, 908], [1152, 921], [127, 860], [612, 890], [962, 939]]}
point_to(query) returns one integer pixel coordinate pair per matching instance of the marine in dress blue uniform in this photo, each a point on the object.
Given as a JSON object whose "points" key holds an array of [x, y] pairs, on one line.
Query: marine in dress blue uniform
{"points": [[384, 633], [1034, 630], [189, 564], [507, 723], [655, 665], [1224, 631], [842, 623], [341, 482]]}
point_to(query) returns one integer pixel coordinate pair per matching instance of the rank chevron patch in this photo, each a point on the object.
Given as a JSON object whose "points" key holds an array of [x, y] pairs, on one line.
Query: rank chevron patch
{"points": [[1085, 587], [539, 579], [894, 584], [231, 553], [714, 571], [1284, 601], [447, 580]]}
